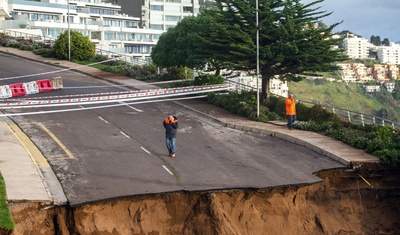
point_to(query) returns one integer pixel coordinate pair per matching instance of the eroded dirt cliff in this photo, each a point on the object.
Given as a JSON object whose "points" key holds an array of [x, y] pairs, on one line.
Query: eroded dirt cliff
{"points": [[346, 202]]}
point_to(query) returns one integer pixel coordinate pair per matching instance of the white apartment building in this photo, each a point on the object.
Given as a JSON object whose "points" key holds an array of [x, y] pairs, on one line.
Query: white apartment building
{"points": [[100, 20], [372, 88], [390, 86], [357, 48], [164, 14], [277, 86], [389, 54]]}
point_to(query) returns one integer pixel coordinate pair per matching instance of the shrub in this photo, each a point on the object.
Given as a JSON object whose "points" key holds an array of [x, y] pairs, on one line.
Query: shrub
{"points": [[206, 79], [81, 47], [48, 53], [98, 58], [389, 156], [243, 104]]}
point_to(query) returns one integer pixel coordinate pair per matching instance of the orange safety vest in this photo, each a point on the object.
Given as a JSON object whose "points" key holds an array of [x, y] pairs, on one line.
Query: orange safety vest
{"points": [[290, 107]]}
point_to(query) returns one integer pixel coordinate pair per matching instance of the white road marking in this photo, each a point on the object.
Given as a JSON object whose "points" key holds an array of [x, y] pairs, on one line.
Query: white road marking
{"points": [[145, 150], [127, 136], [167, 170], [138, 110], [104, 120]]}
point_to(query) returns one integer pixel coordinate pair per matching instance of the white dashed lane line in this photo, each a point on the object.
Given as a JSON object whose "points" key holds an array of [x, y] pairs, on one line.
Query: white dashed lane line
{"points": [[104, 120], [127, 105], [167, 170], [145, 150], [126, 135], [140, 147]]}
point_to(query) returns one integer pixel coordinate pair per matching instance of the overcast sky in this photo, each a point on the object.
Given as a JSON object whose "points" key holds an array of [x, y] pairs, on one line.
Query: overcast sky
{"points": [[364, 17]]}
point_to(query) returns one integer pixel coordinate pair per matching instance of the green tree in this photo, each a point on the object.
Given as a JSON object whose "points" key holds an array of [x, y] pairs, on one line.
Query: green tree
{"points": [[375, 40], [291, 47], [201, 41], [385, 42], [322, 25], [81, 47], [168, 52]]}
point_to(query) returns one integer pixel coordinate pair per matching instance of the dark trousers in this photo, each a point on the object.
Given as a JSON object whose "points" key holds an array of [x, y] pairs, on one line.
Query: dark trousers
{"points": [[290, 121]]}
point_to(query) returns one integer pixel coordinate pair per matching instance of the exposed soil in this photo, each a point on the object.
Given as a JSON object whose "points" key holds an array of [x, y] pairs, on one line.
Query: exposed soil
{"points": [[363, 201]]}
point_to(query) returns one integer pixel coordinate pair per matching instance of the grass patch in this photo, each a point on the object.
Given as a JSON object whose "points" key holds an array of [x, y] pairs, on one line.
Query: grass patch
{"points": [[6, 222], [337, 94]]}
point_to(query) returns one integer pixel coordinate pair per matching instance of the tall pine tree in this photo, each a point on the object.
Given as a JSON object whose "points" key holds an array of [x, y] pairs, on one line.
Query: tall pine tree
{"points": [[291, 45]]}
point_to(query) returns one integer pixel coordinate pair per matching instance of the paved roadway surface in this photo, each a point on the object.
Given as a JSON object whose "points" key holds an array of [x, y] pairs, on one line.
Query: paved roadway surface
{"points": [[108, 153]]}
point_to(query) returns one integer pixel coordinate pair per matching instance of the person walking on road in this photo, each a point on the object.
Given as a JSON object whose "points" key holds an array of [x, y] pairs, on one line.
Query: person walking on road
{"points": [[171, 125], [290, 103]]}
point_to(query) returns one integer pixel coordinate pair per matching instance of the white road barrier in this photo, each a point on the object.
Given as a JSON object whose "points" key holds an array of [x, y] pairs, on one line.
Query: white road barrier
{"points": [[5, 92], [117, 98], [31, 87]]}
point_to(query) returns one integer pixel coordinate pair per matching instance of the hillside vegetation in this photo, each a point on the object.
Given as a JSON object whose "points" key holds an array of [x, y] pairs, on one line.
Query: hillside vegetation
{"points": [[346, 96]]}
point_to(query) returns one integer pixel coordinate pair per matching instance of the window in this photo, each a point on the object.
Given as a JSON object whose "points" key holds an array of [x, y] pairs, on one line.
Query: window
{"points": [[54, 32], [172, 18], [156, 7], [176, 9], [131, 24], [113, 23], [156, 17], [137, 49], [121, 36], [156, 26], [95, 35], [131, 36], [156, 37], [109, 36]]}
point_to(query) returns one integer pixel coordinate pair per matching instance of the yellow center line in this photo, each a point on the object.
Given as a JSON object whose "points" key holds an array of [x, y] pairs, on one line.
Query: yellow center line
{"points": [[69, 154], [35, 154]]}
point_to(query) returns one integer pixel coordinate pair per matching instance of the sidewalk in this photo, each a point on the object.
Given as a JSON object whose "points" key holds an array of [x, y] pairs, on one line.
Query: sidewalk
{"points": [[24, 175]]}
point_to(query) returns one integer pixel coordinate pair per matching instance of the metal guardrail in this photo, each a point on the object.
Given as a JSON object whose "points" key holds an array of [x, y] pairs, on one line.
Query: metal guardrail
{"points": [[357, 117], [352, 116], [123, 57], [24, 35]]}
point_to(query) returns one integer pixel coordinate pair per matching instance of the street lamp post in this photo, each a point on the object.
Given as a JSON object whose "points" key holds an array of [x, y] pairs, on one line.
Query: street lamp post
{"points": [[258, 62], [69, 36]]}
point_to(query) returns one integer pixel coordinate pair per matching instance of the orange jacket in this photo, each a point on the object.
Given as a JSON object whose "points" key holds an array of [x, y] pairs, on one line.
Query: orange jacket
{"points": [[290, 106], [167, 121]]}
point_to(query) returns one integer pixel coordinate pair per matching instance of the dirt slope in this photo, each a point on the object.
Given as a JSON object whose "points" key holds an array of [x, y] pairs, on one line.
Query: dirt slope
{"points": [[344, 203]]}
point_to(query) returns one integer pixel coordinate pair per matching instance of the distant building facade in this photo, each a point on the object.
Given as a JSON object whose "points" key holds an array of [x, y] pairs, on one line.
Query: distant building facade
{"points": [[356, 48], [100, 20], [159, 14], [389, 54]]}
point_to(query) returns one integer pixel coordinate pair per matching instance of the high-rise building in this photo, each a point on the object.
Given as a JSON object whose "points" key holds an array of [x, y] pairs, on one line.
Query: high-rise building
{"points": [[357, 48], [160, 14], [389, 54]]}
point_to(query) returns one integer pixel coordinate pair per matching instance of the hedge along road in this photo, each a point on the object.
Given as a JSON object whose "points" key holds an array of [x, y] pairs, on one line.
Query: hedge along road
{"points": [[98, 154]]}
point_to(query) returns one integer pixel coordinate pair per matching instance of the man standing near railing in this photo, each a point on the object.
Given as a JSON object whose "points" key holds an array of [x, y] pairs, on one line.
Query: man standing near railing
{"points": [[290, 103]]}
